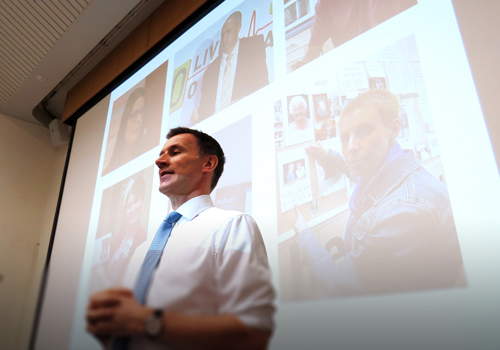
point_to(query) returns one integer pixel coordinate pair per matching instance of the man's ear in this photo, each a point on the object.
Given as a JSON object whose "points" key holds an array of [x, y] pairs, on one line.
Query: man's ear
{"points": [[395, 128], [210, 164]]}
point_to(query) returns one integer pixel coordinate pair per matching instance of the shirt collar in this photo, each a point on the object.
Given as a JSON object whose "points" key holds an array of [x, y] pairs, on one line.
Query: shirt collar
{"points": [[195, 206], [235, 51]]}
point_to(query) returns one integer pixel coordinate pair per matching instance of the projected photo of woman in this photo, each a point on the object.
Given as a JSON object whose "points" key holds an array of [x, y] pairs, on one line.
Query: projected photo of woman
{"points": [[122, 228], [299, 119], [135, 121], [132, 132]]}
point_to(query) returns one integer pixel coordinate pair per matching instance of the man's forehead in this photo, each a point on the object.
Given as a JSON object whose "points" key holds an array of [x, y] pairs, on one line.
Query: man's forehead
{"points": [[183, 140], [365, 113], [230, 23]]}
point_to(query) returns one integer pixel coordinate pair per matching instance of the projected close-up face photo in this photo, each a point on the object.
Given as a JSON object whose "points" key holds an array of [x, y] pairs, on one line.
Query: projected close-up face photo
{"points": [[298, 110], [366, 139], [135, 120], [230, 34]]}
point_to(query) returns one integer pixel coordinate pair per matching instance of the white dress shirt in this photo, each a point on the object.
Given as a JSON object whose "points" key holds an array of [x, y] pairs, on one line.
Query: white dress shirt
{"points": [[223, 63], [214, 263]]}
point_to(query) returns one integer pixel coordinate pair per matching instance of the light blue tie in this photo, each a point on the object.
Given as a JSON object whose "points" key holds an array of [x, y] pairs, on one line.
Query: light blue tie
{"points": [[153, 256], [148, 266]]}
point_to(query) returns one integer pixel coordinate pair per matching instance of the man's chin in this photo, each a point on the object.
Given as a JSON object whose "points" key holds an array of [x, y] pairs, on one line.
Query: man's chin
{"points": [[164, 190]]}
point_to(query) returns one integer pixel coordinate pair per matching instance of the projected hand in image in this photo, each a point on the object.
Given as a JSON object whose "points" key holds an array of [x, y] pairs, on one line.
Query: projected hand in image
{"points": [[400, 234], [341, 21]]}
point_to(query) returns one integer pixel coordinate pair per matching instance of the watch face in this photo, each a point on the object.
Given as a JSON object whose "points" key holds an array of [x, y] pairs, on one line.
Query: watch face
{"points": [[153, 326]]}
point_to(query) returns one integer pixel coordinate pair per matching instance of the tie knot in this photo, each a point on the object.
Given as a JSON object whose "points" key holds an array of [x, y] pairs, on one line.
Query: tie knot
{"points": [[172, 217]]}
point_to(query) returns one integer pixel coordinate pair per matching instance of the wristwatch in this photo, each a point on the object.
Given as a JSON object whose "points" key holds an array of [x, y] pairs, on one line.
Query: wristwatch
{"points": [[154, 324]]}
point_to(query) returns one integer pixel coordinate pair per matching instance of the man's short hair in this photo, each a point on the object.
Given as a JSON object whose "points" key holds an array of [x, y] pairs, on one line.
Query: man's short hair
{"points": [[295, 100], [208, 146], [235, 16], [386, 102]]}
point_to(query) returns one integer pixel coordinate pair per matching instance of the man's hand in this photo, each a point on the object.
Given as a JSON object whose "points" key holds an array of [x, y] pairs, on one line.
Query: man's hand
{"points": [[300, 223], [313, 51], [115, 312], [298, 64], [316, 151]]}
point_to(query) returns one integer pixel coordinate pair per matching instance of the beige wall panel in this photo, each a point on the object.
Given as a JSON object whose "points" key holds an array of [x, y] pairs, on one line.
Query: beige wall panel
{"points": [[29, 183]]}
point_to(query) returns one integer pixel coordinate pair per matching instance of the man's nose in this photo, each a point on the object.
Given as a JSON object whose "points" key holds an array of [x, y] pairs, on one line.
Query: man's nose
{"points": [[353, 144], [161, 161]]}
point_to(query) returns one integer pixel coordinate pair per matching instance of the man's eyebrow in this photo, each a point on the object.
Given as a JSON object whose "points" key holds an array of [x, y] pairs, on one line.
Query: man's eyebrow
{"points": [[172, 147]]}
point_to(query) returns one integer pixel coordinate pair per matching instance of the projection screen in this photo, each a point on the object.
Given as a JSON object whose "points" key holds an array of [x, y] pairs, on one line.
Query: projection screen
{"points": [[299, 63]]}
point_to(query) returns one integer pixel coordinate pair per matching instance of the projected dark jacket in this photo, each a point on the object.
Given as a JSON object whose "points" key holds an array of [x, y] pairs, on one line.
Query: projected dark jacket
{"points": [[250, 75], [402, 239]]}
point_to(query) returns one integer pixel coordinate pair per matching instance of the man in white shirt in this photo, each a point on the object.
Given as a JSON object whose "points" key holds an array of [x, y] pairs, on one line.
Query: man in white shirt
{"points": [[239, 70], [211, 287]]}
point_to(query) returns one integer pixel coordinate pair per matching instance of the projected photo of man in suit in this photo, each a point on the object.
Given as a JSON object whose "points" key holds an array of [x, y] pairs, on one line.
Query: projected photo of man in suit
{"points": [[239, 70], [400, 234]]}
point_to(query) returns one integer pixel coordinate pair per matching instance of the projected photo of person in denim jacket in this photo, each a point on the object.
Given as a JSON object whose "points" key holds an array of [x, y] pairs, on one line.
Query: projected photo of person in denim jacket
{"points": [[400, 234]]}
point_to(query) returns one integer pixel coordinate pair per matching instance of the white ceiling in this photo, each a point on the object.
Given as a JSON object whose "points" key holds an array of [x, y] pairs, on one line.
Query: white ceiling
{"points": [[61, 41], [28, 30]]}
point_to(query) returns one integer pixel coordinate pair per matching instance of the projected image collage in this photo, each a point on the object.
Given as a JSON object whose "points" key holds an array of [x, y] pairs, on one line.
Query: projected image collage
{"points": [[362, 200], [362, 206]]}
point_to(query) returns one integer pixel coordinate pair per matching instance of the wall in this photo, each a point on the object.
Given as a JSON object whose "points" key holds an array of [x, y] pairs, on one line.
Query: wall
{"points": [[29, 183]]}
